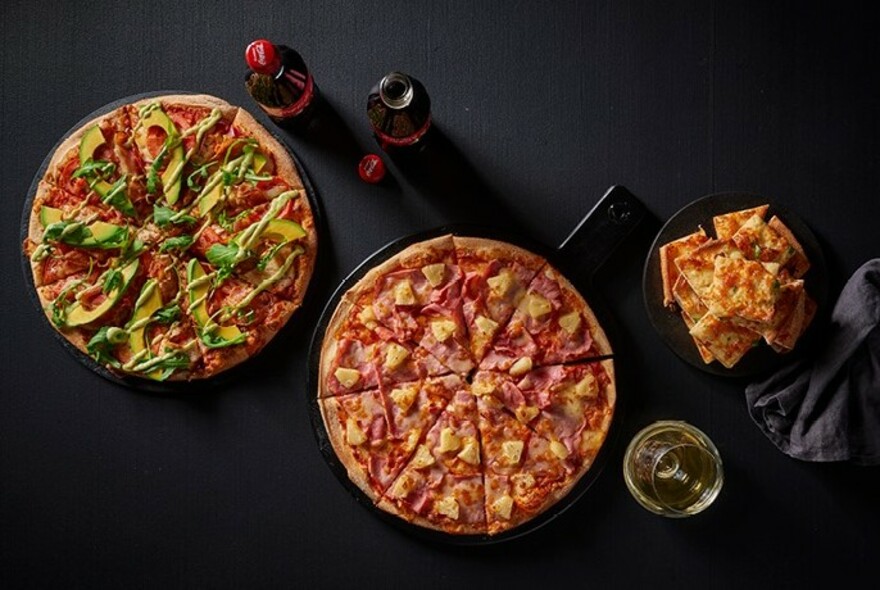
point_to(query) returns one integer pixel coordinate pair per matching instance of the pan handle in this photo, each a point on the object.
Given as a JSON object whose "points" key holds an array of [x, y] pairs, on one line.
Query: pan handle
{"points": [[602, 230]]}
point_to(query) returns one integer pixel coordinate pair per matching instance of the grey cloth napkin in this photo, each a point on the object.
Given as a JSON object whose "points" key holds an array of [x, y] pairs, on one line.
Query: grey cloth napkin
{"points": [[827, 408]]}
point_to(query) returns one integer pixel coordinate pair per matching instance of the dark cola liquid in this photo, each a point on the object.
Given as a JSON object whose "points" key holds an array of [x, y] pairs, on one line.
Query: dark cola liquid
{"points": [[288, 96], [399, 111]]}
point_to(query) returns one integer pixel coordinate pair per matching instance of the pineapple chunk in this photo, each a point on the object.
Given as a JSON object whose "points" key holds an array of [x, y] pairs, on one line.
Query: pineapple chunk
{"points": [[434, 273], [526, 414], [538, 306], [587, 387], [395, 355], [470, 453], [353, 433], [486, 325], [503, 506], [423, 458], [511, 451], [500, 284], [347, 377], [558, 449], [447, 506], [367, 317], [521, 367], [402, 487], [482, 387], [570, 322], [442, 329], [403, 293], [404, 397], [448, 440]]}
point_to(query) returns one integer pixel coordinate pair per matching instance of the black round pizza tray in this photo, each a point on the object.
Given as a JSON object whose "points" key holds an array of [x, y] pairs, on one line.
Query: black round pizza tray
{"points": [[131, 381], [597, 235], [669, 325]]}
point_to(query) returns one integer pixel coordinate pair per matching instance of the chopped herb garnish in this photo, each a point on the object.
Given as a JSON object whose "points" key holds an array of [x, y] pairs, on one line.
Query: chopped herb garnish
{"points": [[179, 243], [95, 168], [212, 340], [168, 314], [200, 172], [222, 255], [165, 215], [261, 265], [60, 232], [101, 346], [112, 280], [117, 198]]}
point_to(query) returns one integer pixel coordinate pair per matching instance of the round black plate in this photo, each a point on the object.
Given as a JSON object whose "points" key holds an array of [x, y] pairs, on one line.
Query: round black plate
{"points": [[555, 256], [669, 324], [147, 385]]}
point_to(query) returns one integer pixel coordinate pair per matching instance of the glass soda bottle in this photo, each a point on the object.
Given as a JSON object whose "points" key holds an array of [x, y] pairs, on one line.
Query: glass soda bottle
{"points": [[279, 81], [399, 111]]}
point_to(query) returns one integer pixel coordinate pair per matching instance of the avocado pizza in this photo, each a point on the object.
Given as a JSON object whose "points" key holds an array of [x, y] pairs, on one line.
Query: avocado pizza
{"points": [[171, 238]]}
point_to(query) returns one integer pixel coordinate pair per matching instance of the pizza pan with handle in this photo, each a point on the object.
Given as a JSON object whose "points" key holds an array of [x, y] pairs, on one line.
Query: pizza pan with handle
{"points": [[578, 257], [669, 325], [131, 381]]}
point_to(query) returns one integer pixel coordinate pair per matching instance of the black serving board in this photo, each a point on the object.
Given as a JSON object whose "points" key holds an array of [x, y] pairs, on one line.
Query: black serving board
{"points": [[131, 381], [669, 324], [592, 241]]}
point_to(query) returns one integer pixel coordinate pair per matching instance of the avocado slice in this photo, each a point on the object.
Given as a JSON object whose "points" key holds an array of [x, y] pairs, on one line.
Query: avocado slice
{"points": [[50, 215], [77, 315], [137, 337], [198, 297], [283, 230], [212, 197], [158, 118], [104, 235], [259, 161], [91, 141]]}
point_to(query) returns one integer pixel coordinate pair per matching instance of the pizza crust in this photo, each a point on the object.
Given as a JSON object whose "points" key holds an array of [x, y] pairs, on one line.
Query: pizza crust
{"points": [[330, 413], [303, 267]]}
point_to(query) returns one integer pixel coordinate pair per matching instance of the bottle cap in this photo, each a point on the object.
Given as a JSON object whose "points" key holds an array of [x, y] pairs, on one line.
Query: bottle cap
{"points": [[371, 169], [262, 57]]}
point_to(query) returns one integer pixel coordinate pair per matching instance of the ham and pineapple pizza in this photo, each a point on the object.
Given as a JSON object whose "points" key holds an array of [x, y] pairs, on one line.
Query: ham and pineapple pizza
{"points": [[465, 385], [171, 238], [740, 287]]}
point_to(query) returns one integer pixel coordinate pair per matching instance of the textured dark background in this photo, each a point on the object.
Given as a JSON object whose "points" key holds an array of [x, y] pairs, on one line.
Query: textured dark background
{"points": [[543, 107]]}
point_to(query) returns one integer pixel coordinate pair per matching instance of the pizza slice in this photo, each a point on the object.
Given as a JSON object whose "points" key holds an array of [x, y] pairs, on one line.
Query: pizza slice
{"points": [[552, 324], [359, 353], [798, 264], [727, 341], [496, 276], [525, 473], [442, 486], [375, 434], [744, 289], [569, 404], [234, 319], [726, 225], [98, 166], [791, 331], [705, 353], [698, 266], [758, 241], [785, 327], [419, 298], [687, 299], [668, 253]]}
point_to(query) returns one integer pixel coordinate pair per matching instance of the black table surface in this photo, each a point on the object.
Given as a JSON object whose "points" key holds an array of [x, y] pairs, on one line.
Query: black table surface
{"points": [[540, 107]]}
